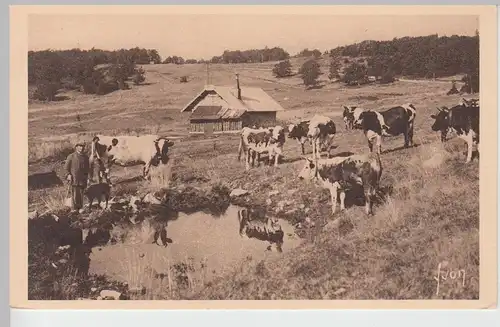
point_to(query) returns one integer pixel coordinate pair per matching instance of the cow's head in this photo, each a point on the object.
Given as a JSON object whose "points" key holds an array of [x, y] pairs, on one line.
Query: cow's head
{"points": [[309, 170], [163, 151], [357, 117], [441, 120], [348, 110], [292, 130], [110, 153], [278, 134]]}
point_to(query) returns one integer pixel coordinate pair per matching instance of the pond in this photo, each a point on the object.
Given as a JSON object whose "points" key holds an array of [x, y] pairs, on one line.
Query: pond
{"points": [[203, 246]]}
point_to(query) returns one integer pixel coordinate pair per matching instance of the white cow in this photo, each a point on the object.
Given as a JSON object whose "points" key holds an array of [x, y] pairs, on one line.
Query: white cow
{"points": [[127, 150]]}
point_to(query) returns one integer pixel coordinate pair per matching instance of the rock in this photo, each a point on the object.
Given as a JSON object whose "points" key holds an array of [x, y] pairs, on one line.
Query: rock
{"points": [[340, 291], [63, 248], [292, 191], [63, 261], [68, 203], [291, 211], [33, 214], [302, 206], [110, 294], [99, 298], [307, 210], [150, 198], [238, 192], [269, 202], [271, 193], [93, 289]]}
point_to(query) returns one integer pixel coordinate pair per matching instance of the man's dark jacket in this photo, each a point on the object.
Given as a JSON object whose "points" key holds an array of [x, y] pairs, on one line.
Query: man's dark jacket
{"points": [[78, 166]]}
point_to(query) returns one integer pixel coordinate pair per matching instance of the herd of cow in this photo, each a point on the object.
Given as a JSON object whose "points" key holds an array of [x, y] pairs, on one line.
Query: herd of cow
{"points": [[337, 174], [340, 173]]}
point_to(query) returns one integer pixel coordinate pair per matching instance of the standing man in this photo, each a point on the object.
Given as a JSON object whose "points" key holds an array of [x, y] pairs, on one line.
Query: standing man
{"points": [[77, 167]]}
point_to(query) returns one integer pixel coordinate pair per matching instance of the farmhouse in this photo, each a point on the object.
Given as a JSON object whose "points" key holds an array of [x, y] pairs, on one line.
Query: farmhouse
{"points": [[226, 109]]}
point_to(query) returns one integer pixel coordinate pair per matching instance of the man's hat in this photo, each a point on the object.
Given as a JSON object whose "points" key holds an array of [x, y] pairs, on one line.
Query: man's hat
{"points": [[79, 144]]}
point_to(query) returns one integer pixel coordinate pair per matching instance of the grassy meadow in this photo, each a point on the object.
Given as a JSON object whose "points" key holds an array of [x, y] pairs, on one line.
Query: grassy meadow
{"points": [[427, 213]]}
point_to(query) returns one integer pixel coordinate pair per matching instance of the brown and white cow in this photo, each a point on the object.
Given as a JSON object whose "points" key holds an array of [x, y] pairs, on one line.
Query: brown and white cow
{"points": [[341, 173], [127, 150], [321, 131], [263, 229], [391, 122], [254, 142]]}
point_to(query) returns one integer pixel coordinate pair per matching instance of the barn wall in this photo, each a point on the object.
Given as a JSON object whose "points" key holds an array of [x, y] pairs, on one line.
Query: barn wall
{"points": [[260, 119], [232, 125], [215, 126]]}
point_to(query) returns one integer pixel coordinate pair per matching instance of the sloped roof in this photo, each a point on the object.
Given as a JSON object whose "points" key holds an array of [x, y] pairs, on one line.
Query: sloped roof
{"points": [[207, 112], [252, 99]]}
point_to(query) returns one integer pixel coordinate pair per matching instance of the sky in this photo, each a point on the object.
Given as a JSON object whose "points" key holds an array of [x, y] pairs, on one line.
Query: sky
{"points": [[204, 36]]}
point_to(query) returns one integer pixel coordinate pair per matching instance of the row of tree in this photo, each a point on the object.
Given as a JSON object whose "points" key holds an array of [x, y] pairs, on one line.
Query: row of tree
{"points": [[425, 56], [92, 71]]}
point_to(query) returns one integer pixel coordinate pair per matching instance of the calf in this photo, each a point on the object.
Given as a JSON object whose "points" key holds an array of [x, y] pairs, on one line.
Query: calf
{"points": [[299, 133], [254, 142], [262, 229], [348, 116], [340, 173], [320, 131], [462, 120], [391, 122], [98, 191]]}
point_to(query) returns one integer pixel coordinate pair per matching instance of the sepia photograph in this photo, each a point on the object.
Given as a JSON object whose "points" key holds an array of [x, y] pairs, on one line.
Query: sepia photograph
{"points": [[256, 155]]}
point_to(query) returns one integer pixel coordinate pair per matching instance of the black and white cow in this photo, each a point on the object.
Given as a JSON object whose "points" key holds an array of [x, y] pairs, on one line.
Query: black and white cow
{"points": [[391, 122], [254, 142], [263, 229], [341, 173], [463, 121], [299, 132], [321, 131]]}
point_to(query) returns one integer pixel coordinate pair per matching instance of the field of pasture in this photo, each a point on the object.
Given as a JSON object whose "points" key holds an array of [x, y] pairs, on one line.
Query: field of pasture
{"points": [[428, 209]]}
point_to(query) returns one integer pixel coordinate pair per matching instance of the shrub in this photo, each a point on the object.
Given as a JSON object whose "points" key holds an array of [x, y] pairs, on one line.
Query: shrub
{"points": [[282, 69], [184, 79], [387, 77], [310, 72], [46, 91]]}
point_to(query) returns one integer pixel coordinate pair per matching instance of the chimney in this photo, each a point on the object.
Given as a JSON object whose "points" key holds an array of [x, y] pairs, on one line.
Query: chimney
{"points": [[238, 86]]}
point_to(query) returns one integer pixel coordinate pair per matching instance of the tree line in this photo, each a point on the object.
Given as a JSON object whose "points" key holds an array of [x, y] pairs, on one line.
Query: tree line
{"points": [[424, 56], [92, 71], [381, 61]]}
